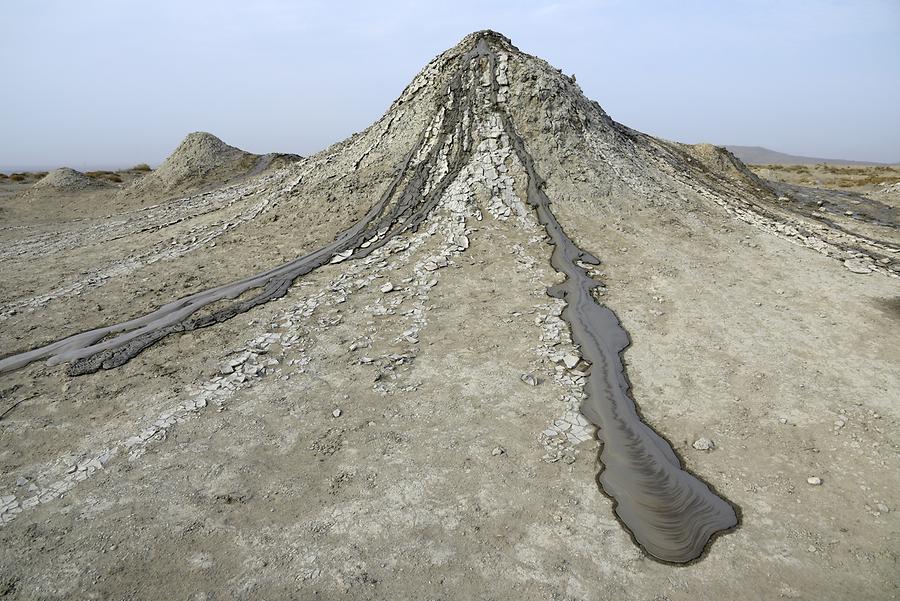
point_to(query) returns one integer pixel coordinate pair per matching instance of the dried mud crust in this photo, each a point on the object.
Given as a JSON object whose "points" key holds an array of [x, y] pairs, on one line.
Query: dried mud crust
{"points": [[362, 440]]}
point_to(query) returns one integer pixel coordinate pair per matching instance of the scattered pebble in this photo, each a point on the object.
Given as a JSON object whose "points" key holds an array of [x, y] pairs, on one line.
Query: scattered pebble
{"points": [[570, 361], [858, 266], [704, 444], [336, 413], [387, 288], [814, 481], [498, 451], [530, 379], [343, 256]]}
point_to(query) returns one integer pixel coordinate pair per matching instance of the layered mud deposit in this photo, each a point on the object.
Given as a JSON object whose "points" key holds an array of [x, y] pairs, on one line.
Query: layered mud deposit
{"points": [[670, 513]]}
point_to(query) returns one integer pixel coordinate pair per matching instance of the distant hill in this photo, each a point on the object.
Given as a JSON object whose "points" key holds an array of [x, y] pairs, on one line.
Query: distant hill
{"points": [[202, 160], [757, 155]]}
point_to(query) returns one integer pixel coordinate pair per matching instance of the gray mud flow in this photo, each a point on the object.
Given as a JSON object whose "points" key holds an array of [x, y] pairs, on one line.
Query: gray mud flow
{"points": [[402, 208], [821, 202], [671, 514]]}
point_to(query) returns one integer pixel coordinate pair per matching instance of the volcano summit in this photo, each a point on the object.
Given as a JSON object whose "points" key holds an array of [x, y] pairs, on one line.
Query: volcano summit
{"points": [[438, 281]]}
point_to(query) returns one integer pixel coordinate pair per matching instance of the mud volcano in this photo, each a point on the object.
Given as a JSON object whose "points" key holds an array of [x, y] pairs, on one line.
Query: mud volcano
{"points": [[477, 132]]}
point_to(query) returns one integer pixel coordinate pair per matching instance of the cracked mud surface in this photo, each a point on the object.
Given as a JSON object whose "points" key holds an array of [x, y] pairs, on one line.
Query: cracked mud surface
{"points": [[212, 464]]}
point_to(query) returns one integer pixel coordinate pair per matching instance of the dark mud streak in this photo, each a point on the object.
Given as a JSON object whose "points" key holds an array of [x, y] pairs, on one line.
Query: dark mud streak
{"points": [[394, 214], [836, 202], [670, 513]]}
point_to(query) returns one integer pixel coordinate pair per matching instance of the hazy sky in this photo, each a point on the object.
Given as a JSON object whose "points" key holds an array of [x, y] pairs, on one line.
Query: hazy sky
{"points": [[93, 83]]}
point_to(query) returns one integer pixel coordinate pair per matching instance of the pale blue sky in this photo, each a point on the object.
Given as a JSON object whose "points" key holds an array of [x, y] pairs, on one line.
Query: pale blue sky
{"points": [[103, 83]]}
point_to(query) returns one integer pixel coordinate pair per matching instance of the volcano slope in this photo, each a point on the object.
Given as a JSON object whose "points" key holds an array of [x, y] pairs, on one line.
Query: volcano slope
{"points": [[408, 408]]}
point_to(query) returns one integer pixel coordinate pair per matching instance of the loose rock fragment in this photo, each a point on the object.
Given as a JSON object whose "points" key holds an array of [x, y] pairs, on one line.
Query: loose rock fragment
{"points": [[858, 266], [704, 444], [570, 361], [343, 256], [530, 379]]}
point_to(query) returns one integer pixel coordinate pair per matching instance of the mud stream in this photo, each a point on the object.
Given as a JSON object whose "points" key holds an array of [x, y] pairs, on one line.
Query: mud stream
{"points": [[670, 513], [402, 208]]}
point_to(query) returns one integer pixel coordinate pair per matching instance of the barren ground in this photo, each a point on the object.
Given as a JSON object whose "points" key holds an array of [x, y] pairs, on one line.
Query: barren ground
{"points": [[350, 442], [753, 342]]}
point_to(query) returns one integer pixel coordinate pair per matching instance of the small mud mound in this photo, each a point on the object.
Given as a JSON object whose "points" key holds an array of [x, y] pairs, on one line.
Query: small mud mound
{"points": [[719, 161], [201, 160], [274, 160], [65, 179]]}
